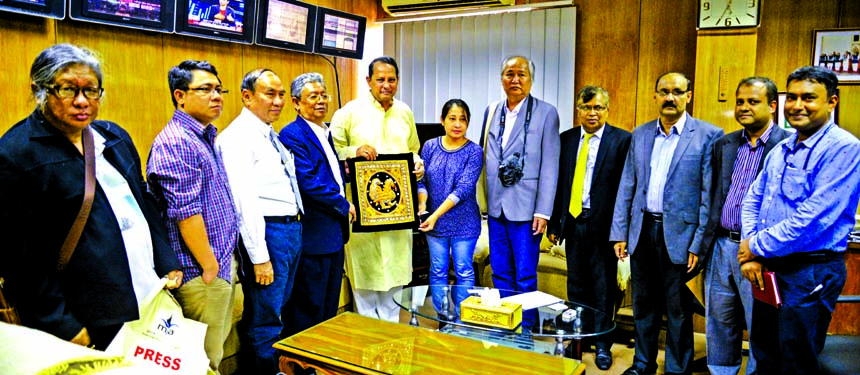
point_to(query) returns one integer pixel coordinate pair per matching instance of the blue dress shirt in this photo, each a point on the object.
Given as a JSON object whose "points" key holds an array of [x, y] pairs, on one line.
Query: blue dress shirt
{"points": [[806, 195], [661, 159]]}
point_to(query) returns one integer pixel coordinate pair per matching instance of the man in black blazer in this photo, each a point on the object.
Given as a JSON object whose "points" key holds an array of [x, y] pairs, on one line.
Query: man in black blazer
{"points": [[591, 261], [738, 157]]}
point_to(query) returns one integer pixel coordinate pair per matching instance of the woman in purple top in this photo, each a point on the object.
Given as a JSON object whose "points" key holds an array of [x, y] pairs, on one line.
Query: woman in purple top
{"points": [[452, 165]]}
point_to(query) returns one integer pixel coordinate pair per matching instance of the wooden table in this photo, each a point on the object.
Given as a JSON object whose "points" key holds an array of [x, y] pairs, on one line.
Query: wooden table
{"points": [[353, 344]]}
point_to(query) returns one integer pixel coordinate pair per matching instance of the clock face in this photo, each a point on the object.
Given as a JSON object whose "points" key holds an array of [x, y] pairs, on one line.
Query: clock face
{"points": [[715, 14]]}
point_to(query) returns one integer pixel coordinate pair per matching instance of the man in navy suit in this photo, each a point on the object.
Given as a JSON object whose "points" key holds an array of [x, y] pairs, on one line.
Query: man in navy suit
{"points": [[660, 218], [738, 159], [316, 291], [522, 171], [583, 211]]}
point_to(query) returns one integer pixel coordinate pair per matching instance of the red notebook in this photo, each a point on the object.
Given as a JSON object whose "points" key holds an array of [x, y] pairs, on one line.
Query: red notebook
{"points": [[770, 294]]}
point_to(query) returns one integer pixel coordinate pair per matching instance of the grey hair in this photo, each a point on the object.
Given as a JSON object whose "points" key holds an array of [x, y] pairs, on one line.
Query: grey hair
{"points": [[589, 92], [300, 82], [54, 60], [509, 58], [249, 82]]}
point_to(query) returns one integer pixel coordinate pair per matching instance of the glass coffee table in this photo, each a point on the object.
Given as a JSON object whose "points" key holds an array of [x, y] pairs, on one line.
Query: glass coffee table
{"points": [[555, 323]]}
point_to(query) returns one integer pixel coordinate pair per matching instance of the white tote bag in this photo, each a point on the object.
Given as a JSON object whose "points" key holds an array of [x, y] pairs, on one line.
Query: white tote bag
{"points": [[162, 338]]}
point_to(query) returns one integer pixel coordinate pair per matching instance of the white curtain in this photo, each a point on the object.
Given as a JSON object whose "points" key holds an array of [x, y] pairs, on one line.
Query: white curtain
{"points": [[461, 58]]}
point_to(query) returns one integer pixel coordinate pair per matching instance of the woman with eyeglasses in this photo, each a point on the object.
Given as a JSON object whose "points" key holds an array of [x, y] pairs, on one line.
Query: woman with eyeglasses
{"points": [[447, 193], [122, 251]]}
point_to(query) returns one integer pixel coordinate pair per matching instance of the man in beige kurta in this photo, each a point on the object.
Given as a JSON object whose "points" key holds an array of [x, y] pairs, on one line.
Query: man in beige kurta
{"points": [[379, 263]]}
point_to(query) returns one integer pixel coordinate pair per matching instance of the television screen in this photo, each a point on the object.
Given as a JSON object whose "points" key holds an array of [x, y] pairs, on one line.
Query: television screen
{"points": [[339, 34], [286, 24], [221, 19], [43, 8], [156, 15]]}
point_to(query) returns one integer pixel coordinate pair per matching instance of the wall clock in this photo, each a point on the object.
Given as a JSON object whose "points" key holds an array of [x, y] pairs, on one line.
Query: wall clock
{"points": [[721, 14]]}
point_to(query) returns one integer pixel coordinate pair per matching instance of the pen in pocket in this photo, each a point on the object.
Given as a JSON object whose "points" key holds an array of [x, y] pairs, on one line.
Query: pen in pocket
{"points": [[816, 290]]}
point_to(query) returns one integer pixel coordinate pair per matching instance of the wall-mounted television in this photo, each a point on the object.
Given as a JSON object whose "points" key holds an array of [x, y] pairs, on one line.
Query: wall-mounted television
{"points": [[42, 8], [339, 34], [288, 24], [155, 15], [230, 20]]}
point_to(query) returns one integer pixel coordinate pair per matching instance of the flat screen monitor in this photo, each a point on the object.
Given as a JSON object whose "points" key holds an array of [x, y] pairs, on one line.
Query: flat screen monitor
{"points": [[155, 15], [339, 34], [286, 24], [231, 20], [43, 8]]}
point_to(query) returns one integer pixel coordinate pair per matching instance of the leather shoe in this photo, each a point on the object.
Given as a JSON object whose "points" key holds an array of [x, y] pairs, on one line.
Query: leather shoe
{"points": [[637, 371], [603, 359]]}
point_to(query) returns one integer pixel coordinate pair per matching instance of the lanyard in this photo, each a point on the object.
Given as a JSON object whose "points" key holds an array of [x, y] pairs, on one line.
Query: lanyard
{"points": [[526, 125]]}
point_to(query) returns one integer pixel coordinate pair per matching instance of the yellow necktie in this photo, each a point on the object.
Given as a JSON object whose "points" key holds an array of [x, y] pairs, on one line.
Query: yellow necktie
{"points": [[579, 177]]}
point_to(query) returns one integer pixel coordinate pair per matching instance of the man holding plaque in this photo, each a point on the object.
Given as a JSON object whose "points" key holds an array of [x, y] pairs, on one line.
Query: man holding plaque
{"points": [[796, 220], [379, 263]]}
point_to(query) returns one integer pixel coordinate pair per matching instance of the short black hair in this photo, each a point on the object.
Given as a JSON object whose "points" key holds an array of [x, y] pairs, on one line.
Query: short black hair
{"points": [[180, 76], [589, 92], [459, 103], [384, 60], [249, 82], [772, 91], [689, 82], [815, 74]]}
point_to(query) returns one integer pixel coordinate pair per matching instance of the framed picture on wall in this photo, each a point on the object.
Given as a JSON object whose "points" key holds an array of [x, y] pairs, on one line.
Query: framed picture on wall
{"points": [[384, 192], [839, 51], [782, 122]]}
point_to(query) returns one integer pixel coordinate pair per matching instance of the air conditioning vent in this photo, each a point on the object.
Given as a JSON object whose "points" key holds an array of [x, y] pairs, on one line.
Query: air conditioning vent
{"points": [[401, 7]]}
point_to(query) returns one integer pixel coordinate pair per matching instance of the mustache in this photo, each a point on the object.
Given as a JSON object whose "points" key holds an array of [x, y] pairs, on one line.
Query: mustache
{"points": [[669, 105]]}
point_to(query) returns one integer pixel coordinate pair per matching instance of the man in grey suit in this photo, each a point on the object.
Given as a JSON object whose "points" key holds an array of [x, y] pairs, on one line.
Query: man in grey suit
{"points": [[661, 213], [737, 160], [522, 170]]}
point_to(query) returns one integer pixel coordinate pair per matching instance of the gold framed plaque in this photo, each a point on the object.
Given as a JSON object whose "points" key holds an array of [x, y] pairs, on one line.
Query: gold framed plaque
{"points": [[384, 193]]}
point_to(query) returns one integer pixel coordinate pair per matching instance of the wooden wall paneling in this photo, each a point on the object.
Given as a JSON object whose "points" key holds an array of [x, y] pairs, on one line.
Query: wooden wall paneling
{"points": [[23, 37], [849, 13], [734, 51], [667, 42], [134, 78], [607, 54], [849, 102], [847, 315], [785, 35]]}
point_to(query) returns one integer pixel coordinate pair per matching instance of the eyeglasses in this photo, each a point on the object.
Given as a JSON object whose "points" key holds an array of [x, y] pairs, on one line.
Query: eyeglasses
{"points": [[206, 90], [676, 93], [316, 98], [588, 108], [71, 92]]}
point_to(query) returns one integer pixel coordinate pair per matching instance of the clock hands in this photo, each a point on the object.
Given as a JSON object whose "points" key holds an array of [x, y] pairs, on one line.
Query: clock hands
{"points": [[728, 9]]}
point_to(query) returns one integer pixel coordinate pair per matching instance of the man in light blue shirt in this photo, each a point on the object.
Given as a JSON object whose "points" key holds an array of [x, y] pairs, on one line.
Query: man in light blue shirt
{"points": [[795, 221]]}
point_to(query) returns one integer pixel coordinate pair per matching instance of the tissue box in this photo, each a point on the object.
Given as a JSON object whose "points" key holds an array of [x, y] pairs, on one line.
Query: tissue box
{"points": [[507, 316]]}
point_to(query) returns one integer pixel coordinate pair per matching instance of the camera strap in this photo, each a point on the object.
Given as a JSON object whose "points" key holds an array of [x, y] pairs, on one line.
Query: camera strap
{"points": [[525, 126]]}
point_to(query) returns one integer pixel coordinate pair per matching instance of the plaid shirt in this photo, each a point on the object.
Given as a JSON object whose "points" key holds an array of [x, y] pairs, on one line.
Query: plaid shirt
{"points": [[187, 179]]}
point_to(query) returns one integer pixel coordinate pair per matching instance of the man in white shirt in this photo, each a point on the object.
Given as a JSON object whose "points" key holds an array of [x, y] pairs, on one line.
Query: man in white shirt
{"points": [[261, 173], [316, 292]]}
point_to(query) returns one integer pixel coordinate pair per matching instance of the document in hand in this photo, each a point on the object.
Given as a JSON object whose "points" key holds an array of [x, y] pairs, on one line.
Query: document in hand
{"points": [[770, 294]]}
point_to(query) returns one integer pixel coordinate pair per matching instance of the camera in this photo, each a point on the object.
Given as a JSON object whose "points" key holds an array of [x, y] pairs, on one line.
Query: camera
{"points": [[511, 170]]}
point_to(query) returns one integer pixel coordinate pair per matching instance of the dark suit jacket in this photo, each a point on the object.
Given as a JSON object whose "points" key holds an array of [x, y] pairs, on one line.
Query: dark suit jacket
{"points": [[325, 224], [604, 180], [41, 192], [534, 193], [725, 153], [686, 195]]}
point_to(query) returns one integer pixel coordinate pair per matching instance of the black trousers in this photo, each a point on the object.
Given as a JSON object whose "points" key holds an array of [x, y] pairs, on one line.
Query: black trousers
{"points": [[316, 292], [591, 273], [657, 289]]}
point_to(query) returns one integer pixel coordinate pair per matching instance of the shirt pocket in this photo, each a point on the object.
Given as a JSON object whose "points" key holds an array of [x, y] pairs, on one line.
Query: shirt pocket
{"points": [[795, 184]]}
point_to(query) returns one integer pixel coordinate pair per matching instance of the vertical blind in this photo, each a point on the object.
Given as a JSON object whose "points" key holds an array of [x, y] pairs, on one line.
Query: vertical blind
{"points": [[461, 58]]}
